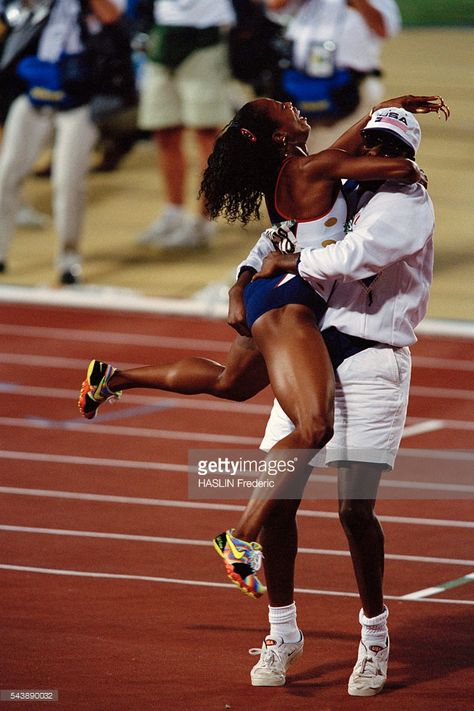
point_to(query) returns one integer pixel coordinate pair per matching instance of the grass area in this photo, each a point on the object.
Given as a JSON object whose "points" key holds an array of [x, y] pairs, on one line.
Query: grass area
{"points": [[437, 12]]}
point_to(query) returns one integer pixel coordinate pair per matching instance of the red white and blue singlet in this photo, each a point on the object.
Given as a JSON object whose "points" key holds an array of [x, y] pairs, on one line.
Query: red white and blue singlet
{"points": [[290, 237]]}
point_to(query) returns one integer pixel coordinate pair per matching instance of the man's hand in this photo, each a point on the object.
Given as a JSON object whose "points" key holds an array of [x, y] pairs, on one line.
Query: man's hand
{"points": [[276, 263]]}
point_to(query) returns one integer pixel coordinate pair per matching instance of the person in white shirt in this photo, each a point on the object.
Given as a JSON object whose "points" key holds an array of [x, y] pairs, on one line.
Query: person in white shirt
{"points": [[383, 272], [357, 30], [184, 87], [46, 107]]}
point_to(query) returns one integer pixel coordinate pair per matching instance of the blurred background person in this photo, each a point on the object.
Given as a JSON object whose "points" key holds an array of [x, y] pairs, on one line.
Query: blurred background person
{"points": [[117, 125], [335, 70], [185, 85], [46, 49], [10, 87]]}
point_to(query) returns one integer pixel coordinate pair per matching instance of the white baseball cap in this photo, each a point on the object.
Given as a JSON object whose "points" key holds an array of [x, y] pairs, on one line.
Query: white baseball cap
{"points": [[399, 122]]}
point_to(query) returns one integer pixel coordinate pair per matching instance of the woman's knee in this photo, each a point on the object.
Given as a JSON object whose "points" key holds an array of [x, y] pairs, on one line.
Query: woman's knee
{"points": [[315, 430]]}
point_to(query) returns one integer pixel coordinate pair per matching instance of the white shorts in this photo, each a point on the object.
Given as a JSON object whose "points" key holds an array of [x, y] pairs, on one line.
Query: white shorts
{"points": [[371, 402], [195, 95]]}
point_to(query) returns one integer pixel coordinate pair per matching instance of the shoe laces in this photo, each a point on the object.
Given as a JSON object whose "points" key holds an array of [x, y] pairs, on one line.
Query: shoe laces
{"points": [[269, 656], [255, 556], [368, 665]]}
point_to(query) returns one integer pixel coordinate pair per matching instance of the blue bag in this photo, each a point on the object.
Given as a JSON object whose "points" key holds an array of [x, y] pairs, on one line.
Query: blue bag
{"points": [[61, 85], [335, 96]]}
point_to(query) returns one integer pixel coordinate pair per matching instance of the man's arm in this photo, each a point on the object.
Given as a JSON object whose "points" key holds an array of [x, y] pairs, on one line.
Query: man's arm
{"points": [[391, 227]]}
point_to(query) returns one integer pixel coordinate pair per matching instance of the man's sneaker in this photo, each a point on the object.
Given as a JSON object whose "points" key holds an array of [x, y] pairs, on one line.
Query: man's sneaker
{"points": [[241, 560], [276, 656], [172, 218], [94, 390], [370, 672]]}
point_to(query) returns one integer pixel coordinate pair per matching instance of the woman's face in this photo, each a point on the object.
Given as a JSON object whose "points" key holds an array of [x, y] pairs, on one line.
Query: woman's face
{"points": [[287, 119]]}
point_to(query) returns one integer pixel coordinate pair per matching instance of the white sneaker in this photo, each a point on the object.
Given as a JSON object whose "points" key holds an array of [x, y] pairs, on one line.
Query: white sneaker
{"points": [[194, 233], [370, 672], [275, 658], [172, 218], [28, 217]]}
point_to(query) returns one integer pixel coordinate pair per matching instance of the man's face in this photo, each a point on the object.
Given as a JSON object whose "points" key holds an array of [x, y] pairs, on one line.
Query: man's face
{"points": [[383, 143]]}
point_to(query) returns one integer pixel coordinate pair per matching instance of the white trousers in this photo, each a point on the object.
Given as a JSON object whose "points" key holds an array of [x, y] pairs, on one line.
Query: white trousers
{"points": [[27, 132], [370, 407]]}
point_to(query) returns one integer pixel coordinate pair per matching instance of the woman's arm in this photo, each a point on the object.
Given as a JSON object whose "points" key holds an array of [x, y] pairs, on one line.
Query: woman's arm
{"points": [[336, 164]]}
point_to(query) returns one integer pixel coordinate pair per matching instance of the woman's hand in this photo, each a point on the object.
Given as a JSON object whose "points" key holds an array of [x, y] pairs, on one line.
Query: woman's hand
{"points": [[236, 311], [276, 263], [417, 104]]}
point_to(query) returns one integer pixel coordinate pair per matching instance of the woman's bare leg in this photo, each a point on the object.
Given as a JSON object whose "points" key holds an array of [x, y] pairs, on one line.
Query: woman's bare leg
{"points": [[242, 377], [302, 379]]}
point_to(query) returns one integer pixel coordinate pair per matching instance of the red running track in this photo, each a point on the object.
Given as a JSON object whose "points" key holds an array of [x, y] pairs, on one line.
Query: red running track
{"points": [[111, 592]]}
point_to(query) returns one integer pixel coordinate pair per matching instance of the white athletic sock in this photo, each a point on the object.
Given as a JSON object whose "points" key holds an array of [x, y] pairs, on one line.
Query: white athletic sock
{"points": [[374, 629], [283, 623]]}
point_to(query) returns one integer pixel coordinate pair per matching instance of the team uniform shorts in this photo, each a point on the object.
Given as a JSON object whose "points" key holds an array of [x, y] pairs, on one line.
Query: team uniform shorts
{"points": [[263, 295], [371, 401], [195, 94]]}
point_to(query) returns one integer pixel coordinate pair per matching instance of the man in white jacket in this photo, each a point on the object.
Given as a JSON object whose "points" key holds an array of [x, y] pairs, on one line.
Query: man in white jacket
{"points": [[383, 269]]}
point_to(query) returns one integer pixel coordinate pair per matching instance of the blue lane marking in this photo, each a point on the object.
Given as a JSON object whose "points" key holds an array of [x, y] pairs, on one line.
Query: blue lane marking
{"points": [[8, 387], [131, 412], [120, 414]]}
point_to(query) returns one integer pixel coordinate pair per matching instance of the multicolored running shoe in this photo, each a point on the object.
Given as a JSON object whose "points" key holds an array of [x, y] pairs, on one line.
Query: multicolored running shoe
{"points": [[95, 390], [242, 560]]}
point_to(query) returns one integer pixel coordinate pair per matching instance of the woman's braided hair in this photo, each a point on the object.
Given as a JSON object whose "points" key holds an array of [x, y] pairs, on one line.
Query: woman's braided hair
{"points": [[243, 166]]}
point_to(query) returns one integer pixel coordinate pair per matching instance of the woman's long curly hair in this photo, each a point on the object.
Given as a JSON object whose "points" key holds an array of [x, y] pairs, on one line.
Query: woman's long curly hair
{"points": [[243, 166]]}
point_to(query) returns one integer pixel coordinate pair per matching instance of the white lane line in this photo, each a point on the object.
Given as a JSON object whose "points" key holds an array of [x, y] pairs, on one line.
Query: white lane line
{"points": [[184, 469], [205, 543], [426, 592], [123, 431], [93, 461], [41, 361], [78, 364], [423, 428], [187, 403], [113, 299], [442, 363], [196, 583], [412, 485], [220, 506], [448, 393], [442, 587], [87, 336], [149, 432]]}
